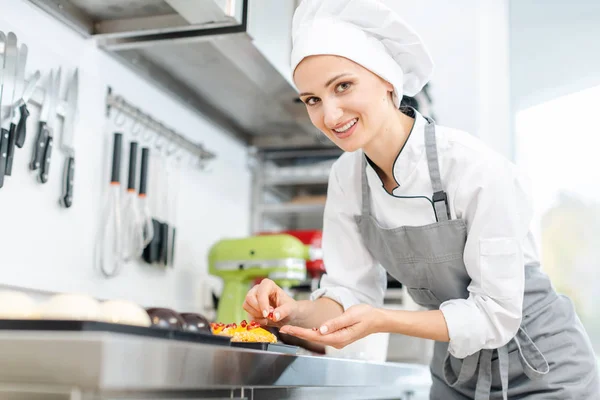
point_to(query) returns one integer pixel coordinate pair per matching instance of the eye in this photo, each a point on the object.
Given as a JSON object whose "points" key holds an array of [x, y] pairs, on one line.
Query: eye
{"points": [[311, 101], [342, 87]]}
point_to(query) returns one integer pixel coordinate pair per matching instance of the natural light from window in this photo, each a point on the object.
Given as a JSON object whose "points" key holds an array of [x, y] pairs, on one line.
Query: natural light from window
{"points": [[558, 147]]}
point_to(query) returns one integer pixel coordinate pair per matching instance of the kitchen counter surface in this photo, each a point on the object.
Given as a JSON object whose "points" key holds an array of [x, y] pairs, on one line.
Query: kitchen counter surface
{"points": [[99, 365]]}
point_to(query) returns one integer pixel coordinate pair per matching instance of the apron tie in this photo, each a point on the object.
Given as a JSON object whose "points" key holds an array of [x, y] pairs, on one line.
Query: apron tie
{"points": [[532, 360]]}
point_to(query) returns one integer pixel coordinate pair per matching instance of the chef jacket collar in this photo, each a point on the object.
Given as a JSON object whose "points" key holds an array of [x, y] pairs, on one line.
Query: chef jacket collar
{"points": [[409, 155]]}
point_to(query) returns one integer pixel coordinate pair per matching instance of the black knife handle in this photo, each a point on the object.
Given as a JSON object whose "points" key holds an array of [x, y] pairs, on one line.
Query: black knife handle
{"points": [[39, 146], [22, 126], [10, 153], [46, 161], [133, 149], [172, 258], [66, 199], [144, 171], [115, 176], [3, 150], [44, 173]]}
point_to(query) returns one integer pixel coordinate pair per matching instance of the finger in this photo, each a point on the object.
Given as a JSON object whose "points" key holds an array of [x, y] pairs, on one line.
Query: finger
{"points": [[343, 321], [263, 294], [252, 312], [283, 311], [252, 300], [337, 339]]}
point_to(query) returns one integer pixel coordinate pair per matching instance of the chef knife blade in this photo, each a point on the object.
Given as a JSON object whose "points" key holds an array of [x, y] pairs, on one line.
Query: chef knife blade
{"points": [[67, 140], [15, 113], [6, 105], [23, 111], [2, 49]]}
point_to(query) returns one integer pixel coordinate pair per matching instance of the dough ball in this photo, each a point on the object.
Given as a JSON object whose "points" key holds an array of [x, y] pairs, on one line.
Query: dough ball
{"points": [[17, 305], [76, 307], [124, 312]]}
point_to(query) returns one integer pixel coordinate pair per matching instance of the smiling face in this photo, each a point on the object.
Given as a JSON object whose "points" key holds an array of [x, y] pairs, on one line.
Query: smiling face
{"points": [[347, 102]]}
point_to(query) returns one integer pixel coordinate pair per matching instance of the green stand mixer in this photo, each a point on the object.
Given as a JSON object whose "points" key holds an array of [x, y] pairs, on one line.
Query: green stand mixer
{"points": [[239, 262]]}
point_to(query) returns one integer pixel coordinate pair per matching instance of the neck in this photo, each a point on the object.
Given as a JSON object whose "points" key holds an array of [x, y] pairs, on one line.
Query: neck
{"points": [[386, 145]]}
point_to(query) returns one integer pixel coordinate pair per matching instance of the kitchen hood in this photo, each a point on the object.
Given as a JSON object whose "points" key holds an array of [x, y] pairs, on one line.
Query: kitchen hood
{"points": [[201, 52]]}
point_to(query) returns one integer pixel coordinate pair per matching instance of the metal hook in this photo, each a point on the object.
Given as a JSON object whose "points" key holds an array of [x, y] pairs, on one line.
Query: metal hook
{"points": [[171, 149], [136, 124], [121, 121], [158, 142], [147, 135]]}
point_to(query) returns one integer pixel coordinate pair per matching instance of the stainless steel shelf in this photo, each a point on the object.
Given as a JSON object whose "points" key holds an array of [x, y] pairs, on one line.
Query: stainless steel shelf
{"points": [[108, 366], [292, 208]]}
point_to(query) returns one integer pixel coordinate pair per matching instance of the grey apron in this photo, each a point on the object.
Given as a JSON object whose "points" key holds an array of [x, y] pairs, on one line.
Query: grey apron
{"points": [[550, 357]]}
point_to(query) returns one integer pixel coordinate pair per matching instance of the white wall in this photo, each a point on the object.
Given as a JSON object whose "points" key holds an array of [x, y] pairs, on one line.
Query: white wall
{"points": [[47, 248], [468, 41]]}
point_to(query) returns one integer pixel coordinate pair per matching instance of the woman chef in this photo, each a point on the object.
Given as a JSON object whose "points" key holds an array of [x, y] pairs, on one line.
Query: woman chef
{"points": [[432, 206]]}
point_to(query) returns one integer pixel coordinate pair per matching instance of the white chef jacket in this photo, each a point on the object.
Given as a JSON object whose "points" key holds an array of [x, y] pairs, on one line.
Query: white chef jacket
{"points": [[483, 188]]}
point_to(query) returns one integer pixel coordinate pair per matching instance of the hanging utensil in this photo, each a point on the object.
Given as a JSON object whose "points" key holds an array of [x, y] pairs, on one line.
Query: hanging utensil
{"points": [[21, 116], [43, 177], [174, 182], [6, 104], [153, 251], [164, 210], [110, 241], [67, 141], [133, 242], [47, 109], [15, 113], [145, 215]]}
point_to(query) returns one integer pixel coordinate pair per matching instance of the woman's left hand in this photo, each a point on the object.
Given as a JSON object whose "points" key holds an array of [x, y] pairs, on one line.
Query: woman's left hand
{"points": [[354, 324]]}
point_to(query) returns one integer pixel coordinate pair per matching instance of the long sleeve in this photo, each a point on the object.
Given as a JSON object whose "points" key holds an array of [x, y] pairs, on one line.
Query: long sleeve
{"points": [[492, 199], [353, 276]]}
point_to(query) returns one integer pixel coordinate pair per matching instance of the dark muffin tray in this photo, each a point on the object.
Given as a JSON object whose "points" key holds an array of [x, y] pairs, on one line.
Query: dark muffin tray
{"points": [[94, 326], [274, 347]]}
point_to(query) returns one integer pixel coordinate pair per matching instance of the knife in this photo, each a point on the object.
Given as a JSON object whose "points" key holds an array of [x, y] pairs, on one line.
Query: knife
{"points": [[23, 111], [6, 105], [43, 177], [2, 49], [19, 86], [40, 141], [66, 143]]}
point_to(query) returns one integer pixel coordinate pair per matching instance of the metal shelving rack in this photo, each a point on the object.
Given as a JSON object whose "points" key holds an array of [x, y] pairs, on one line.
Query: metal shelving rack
{"points": [[275, 195]]}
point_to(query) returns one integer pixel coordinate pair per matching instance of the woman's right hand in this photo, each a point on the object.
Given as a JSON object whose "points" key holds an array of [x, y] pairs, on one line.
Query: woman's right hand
{"points": [[268, 304]]}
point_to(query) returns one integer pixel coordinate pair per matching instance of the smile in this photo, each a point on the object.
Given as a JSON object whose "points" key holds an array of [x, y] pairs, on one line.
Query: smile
{"points": [[347, 126]]}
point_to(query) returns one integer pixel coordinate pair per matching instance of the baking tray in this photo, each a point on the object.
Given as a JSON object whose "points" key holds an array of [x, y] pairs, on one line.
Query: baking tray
{"points": [[96, 326], [274, 347]]}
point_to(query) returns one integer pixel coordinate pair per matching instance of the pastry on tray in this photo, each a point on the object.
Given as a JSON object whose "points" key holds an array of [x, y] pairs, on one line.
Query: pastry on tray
{"points": [[245, 332]]}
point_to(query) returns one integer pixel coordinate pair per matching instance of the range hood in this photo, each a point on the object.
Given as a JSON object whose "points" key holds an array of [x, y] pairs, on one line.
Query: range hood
{"points": [[199, 51]]}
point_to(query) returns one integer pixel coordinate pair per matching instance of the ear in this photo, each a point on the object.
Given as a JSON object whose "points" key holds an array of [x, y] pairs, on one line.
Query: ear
{"points": [[388, 86]]}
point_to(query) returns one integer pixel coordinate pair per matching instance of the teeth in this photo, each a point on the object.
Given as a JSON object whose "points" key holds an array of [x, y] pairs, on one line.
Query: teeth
{"points": [[347, 126]]}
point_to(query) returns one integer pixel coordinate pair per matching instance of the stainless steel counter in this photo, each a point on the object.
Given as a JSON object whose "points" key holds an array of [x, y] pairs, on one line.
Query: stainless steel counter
{"points": [[95, 365]]}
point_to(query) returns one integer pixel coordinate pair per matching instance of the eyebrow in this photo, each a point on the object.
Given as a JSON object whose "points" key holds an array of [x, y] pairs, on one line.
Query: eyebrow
{"points": [[329, 82]]}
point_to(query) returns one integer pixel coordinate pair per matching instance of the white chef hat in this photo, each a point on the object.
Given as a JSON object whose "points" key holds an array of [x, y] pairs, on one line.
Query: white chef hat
{"points": [[367, 32]]}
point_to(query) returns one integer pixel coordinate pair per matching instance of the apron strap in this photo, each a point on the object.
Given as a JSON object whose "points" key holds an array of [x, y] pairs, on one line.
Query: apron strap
{"points": [[533, 361], [366, 191], [484, 377], [440, 199], [503, 364], [467, 369]]}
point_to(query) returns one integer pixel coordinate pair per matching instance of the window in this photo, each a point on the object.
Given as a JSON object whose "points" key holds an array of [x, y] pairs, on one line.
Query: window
{"points": [[558, 146]]}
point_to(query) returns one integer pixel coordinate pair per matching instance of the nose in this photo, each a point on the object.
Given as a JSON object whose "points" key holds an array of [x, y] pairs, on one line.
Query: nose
{"points": [[332, 114]]}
